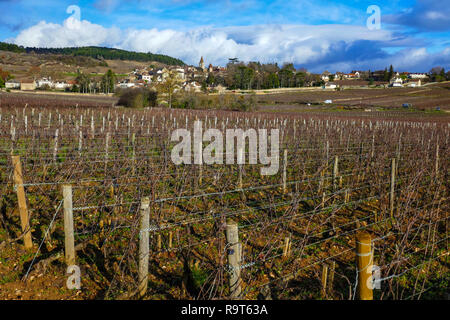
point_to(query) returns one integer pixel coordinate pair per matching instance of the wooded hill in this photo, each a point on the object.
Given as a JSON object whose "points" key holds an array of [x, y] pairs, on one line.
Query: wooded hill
{"points": [[96, 53]]}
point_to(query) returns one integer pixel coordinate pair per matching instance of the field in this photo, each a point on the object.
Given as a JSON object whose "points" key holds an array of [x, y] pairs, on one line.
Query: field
{"points": [[425, 98], [341, 174]]}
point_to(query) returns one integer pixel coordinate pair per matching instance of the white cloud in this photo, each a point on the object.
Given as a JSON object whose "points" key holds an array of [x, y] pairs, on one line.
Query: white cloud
{"points": [[70, 34], [333, 47]]}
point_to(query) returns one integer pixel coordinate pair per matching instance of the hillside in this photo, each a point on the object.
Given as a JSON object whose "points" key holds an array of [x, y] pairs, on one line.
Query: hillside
{"points": [[23, 65], [98, 53]]}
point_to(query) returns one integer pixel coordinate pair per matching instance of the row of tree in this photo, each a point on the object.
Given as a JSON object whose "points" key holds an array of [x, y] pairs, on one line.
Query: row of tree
{"points": [[438, 74], [256, 75], [86, 84]]}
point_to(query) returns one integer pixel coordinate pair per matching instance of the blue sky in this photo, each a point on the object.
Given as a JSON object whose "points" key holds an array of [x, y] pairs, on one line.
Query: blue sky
{"points": [[319, 35]]}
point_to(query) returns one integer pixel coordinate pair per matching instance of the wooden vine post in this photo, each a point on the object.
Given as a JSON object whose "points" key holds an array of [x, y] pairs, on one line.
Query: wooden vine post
{"points": [[170, 239], [436, 165], [364, 256], [240, 162], [133, 157], [144, 245], [335, 173], [234, 258], [324, 280], [69, 241], [286, 247], [392, 191], [23, 210], [284, 171], [331, 277]]}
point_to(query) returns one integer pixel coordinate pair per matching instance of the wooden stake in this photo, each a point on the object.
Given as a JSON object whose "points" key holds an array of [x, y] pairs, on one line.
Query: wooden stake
{"points": [[284, 171], [436, 165], [364, 256], [133, 159], [324, 279], [80, 142], [144, 245], [69, 240], [108, 135], [392, 191], [335, 172], [331, 277], [158, 244], [23, 210], [240, 161], [234, 258], [170, 239], [287, 244], [55, 146]]}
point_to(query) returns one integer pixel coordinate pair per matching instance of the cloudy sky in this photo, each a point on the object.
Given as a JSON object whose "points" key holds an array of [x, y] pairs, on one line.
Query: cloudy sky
{"points": [[316, 34]]}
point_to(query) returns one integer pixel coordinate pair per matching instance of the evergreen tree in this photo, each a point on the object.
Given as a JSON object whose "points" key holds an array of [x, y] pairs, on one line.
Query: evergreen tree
{"points": [[391, 72]]}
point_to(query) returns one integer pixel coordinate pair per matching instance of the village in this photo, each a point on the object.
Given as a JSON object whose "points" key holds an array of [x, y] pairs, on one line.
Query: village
{"points": [[215, 79]]}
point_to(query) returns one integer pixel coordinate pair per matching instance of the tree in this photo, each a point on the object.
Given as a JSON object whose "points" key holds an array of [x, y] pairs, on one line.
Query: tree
{"points": [[138, 97], [169, 86], [300, 79], [442, 75], [243, 77], [4, 76], [108, 81], [386, 75], [84, 82], [437, 74], [273, 81], [391, 72], [286, 75], [211, 79]]}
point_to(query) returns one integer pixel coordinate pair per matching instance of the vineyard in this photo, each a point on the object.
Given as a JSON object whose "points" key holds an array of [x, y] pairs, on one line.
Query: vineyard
{"points": [[96, 187]]}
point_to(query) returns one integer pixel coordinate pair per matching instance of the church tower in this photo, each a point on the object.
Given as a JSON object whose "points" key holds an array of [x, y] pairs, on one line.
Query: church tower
{"points": [[202, 64]]}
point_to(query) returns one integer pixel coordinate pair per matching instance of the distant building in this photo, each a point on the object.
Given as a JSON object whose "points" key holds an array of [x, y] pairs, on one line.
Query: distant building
{"points": [[378, 75], [146, 77], [126, 84], [330, 85], [418, 76], [193, 86], [414, 83], [26, 85], [396, 81], [61, 85], [180, 73], [325, 76], [201, 64], [339, 76], [356, 74], [352, 75], [44, 82], [12, 84]]}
